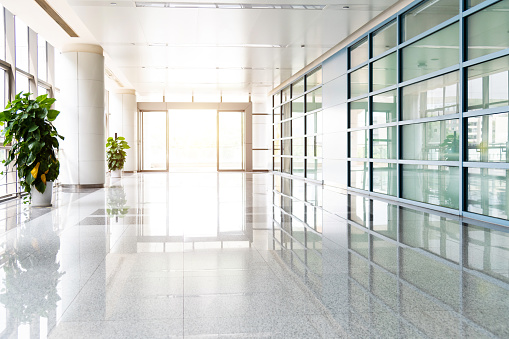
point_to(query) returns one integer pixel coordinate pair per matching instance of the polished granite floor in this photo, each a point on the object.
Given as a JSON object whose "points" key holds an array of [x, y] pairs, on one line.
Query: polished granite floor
{"points": [[232, 255]]}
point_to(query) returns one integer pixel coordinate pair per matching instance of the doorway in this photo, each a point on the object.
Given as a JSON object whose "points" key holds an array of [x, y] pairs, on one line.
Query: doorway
{"points": [[190, 140]]}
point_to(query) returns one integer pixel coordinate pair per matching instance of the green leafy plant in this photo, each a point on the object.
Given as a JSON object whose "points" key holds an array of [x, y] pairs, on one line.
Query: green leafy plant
{"points": [[115, 154], [33, 138]]}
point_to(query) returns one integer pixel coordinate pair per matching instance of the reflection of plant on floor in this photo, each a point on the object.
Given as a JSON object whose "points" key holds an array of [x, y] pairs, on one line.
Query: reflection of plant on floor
{"points": [[116, 202], [30, 285]]}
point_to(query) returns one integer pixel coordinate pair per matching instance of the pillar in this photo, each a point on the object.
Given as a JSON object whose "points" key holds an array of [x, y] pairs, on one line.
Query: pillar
{"points": [[81, 121], [123, 118]]}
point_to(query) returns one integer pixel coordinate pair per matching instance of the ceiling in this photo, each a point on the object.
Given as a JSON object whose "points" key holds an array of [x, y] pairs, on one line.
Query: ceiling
{"points": [[202, 51]]}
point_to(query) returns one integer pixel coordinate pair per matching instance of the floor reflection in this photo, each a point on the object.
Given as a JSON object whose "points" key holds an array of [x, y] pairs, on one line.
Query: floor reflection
{"points": [[388, 270]]}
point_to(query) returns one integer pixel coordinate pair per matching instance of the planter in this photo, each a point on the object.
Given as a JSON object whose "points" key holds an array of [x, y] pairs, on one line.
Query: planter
{"points": [[42, 199], [116, 174]]}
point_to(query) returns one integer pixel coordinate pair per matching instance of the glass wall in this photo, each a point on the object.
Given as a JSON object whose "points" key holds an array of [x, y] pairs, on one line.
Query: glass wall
{"points": [[428, 108], [439, 133], [297, 127]]}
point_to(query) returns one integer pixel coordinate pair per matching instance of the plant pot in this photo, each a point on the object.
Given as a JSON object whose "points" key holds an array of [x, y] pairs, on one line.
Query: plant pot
{"points": [[116, 174], [42, 199]]}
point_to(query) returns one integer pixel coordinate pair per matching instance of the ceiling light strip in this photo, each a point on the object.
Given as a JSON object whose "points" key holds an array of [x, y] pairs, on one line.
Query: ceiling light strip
{"points": [[57, 18], [203, 5]]}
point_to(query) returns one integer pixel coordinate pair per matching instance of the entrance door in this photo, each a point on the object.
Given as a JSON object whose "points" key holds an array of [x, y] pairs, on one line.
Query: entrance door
{"points": [[230, 141], [154, 155]]}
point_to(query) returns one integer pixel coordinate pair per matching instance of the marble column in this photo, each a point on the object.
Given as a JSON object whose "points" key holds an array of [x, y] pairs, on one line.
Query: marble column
{"points": [[123, 118], [81, 121]]}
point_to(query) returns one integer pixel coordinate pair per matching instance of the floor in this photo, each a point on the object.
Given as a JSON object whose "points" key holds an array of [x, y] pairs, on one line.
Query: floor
{"points": [[233, 255]]}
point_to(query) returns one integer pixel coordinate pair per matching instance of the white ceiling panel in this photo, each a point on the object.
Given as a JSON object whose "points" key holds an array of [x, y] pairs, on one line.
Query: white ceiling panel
{"points": [[231, 50]]}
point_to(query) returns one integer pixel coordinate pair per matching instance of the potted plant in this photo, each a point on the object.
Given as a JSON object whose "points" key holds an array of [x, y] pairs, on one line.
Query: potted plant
{"points": [[115, 155], [34, 144]]}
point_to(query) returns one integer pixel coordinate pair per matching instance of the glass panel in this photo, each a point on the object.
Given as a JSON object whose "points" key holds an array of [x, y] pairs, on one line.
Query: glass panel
{"points": [[437, 140], [287, 146], [431, 98], [359, 82], [359, 175], [385, 39], [2, 34], [298, 107], [285, 94], [277, 164], [21, 44], [22, 83], [298, 166], [298, 147], [286, 111], [384, 143], [298, 88], [384, 107], [472, 3], [385, 218], [3, 79], [287, 165], [428, 15], [42, 90], [359, 144], [193, 147], [276, 147], [298, 126], [314, 168], [488, 138], [385, 178], [312, 145], [231, 140], [359, 53], [287, 128], [437, 185], [488, 84], [359, 114], [487, 192], [154, 140], [432, 53], [384, 72], [277, 99], [487, 30], [41, 59], [314, 79], [311, 127], [314, 100]]}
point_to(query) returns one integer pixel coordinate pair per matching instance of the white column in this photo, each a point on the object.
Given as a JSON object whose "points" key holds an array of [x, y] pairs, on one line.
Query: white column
{"points": [[81, 120], [123, 118]]}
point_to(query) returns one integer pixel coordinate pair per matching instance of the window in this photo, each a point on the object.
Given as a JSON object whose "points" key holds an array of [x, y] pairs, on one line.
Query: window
{"points": [[487, 30], [384, 107], [21, 44], [314, 79], [428, 15], [432, 53], [359, 82], [359, 53], [384, 72], [385, 38], [436, 140], [488, 84], [488, 138], [431, 98], [42, 64]]}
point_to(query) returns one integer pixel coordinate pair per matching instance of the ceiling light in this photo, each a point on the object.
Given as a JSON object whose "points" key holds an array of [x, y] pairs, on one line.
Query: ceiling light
{"points": [[113, 3], [205, 5], [346, 7]]}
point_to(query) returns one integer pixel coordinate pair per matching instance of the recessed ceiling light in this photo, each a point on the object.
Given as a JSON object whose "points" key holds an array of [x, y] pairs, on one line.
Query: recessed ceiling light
{"points": [[113, 3], [346, 7], [205, 5]]}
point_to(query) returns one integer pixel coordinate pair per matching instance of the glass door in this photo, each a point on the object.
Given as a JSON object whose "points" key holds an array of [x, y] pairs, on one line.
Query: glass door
{"points": [[154, 155], [230, 141]]}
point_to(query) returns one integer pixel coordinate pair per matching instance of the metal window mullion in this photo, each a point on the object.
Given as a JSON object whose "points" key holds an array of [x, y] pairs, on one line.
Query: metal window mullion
{"points": [[463, 147]]}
